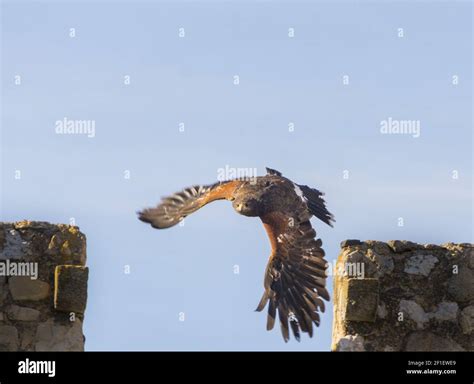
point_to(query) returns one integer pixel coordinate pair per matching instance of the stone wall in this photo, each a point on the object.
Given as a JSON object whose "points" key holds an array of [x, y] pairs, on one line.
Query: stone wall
{"points": [[394, 296], [43, 287], [402, 296]]}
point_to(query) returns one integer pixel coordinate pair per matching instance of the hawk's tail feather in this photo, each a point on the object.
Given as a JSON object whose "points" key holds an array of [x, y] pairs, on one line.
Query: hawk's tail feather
{"points": [[296, 312], [263, 302], [283, 316], [271, 314], [295, 329]]}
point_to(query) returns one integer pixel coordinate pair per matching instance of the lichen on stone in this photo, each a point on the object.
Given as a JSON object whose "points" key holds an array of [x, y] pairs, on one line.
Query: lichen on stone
{"points": [[420, 264]]}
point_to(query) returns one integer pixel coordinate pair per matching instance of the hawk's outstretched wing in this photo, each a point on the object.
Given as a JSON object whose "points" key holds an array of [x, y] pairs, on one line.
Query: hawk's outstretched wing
{"points": [[175, 208], [295, 277]]}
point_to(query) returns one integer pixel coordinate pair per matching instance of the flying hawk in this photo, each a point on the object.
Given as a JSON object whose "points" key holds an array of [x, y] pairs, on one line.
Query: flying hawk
{"points": [[295, 276]]}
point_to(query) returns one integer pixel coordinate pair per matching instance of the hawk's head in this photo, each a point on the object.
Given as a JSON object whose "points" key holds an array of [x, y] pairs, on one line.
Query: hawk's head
{"points": [[247, 206]]}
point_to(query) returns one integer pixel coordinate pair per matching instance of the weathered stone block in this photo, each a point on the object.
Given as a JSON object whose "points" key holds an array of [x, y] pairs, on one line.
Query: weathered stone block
{"points": [[27, 338], [69, 244], [14, 246], [411, 310], [461, 285], [350, 242], [3, 294], [8, 338], [57, 337], [467, 319], [420, 264], [15, 312], [403, 246], [383, 263], [424, 296], [350, 343], [23, 288], [445, 311], [35, 225], [26, 302], [426, 341], [70, 288], [363, 299], [470, 257]]}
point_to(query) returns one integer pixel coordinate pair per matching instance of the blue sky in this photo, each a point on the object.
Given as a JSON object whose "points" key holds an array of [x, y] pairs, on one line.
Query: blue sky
{"points": [[189, 80]]}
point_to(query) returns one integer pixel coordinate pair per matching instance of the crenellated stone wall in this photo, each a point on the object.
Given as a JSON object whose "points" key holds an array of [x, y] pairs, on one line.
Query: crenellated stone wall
{"points": [[402, 296], [394, 296], [43, 287]]}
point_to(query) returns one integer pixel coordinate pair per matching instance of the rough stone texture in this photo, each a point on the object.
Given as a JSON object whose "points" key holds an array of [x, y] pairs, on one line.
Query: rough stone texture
{"points": [[350, 344], [57, 337], [427, 341], [402, 296], [8, 338], [461, 285], [398, 246], [348, 243], [3, 294], [362, 302], [29, 320], [70, 244], [445, 311], [383, 263], [467, 319], [70, 293], [420, 264], [414, 312], [13, 245], [24, 288], [15, 312], [27, 339]]}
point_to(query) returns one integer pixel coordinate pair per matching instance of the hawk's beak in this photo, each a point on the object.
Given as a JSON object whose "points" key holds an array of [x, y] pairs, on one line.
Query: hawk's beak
{"points": [[239, 207]]}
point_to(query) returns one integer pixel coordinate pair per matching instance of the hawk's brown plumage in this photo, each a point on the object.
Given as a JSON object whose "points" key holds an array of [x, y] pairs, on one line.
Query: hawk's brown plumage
{"points": [[295, 277]]}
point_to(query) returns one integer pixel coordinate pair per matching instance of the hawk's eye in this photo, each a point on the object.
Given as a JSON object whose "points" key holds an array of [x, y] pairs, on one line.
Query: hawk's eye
{"points": [[250, 204]]}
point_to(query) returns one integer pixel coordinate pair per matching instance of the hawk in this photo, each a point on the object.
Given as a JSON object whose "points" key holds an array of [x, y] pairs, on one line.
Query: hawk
{"points": [[295, 276]]}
